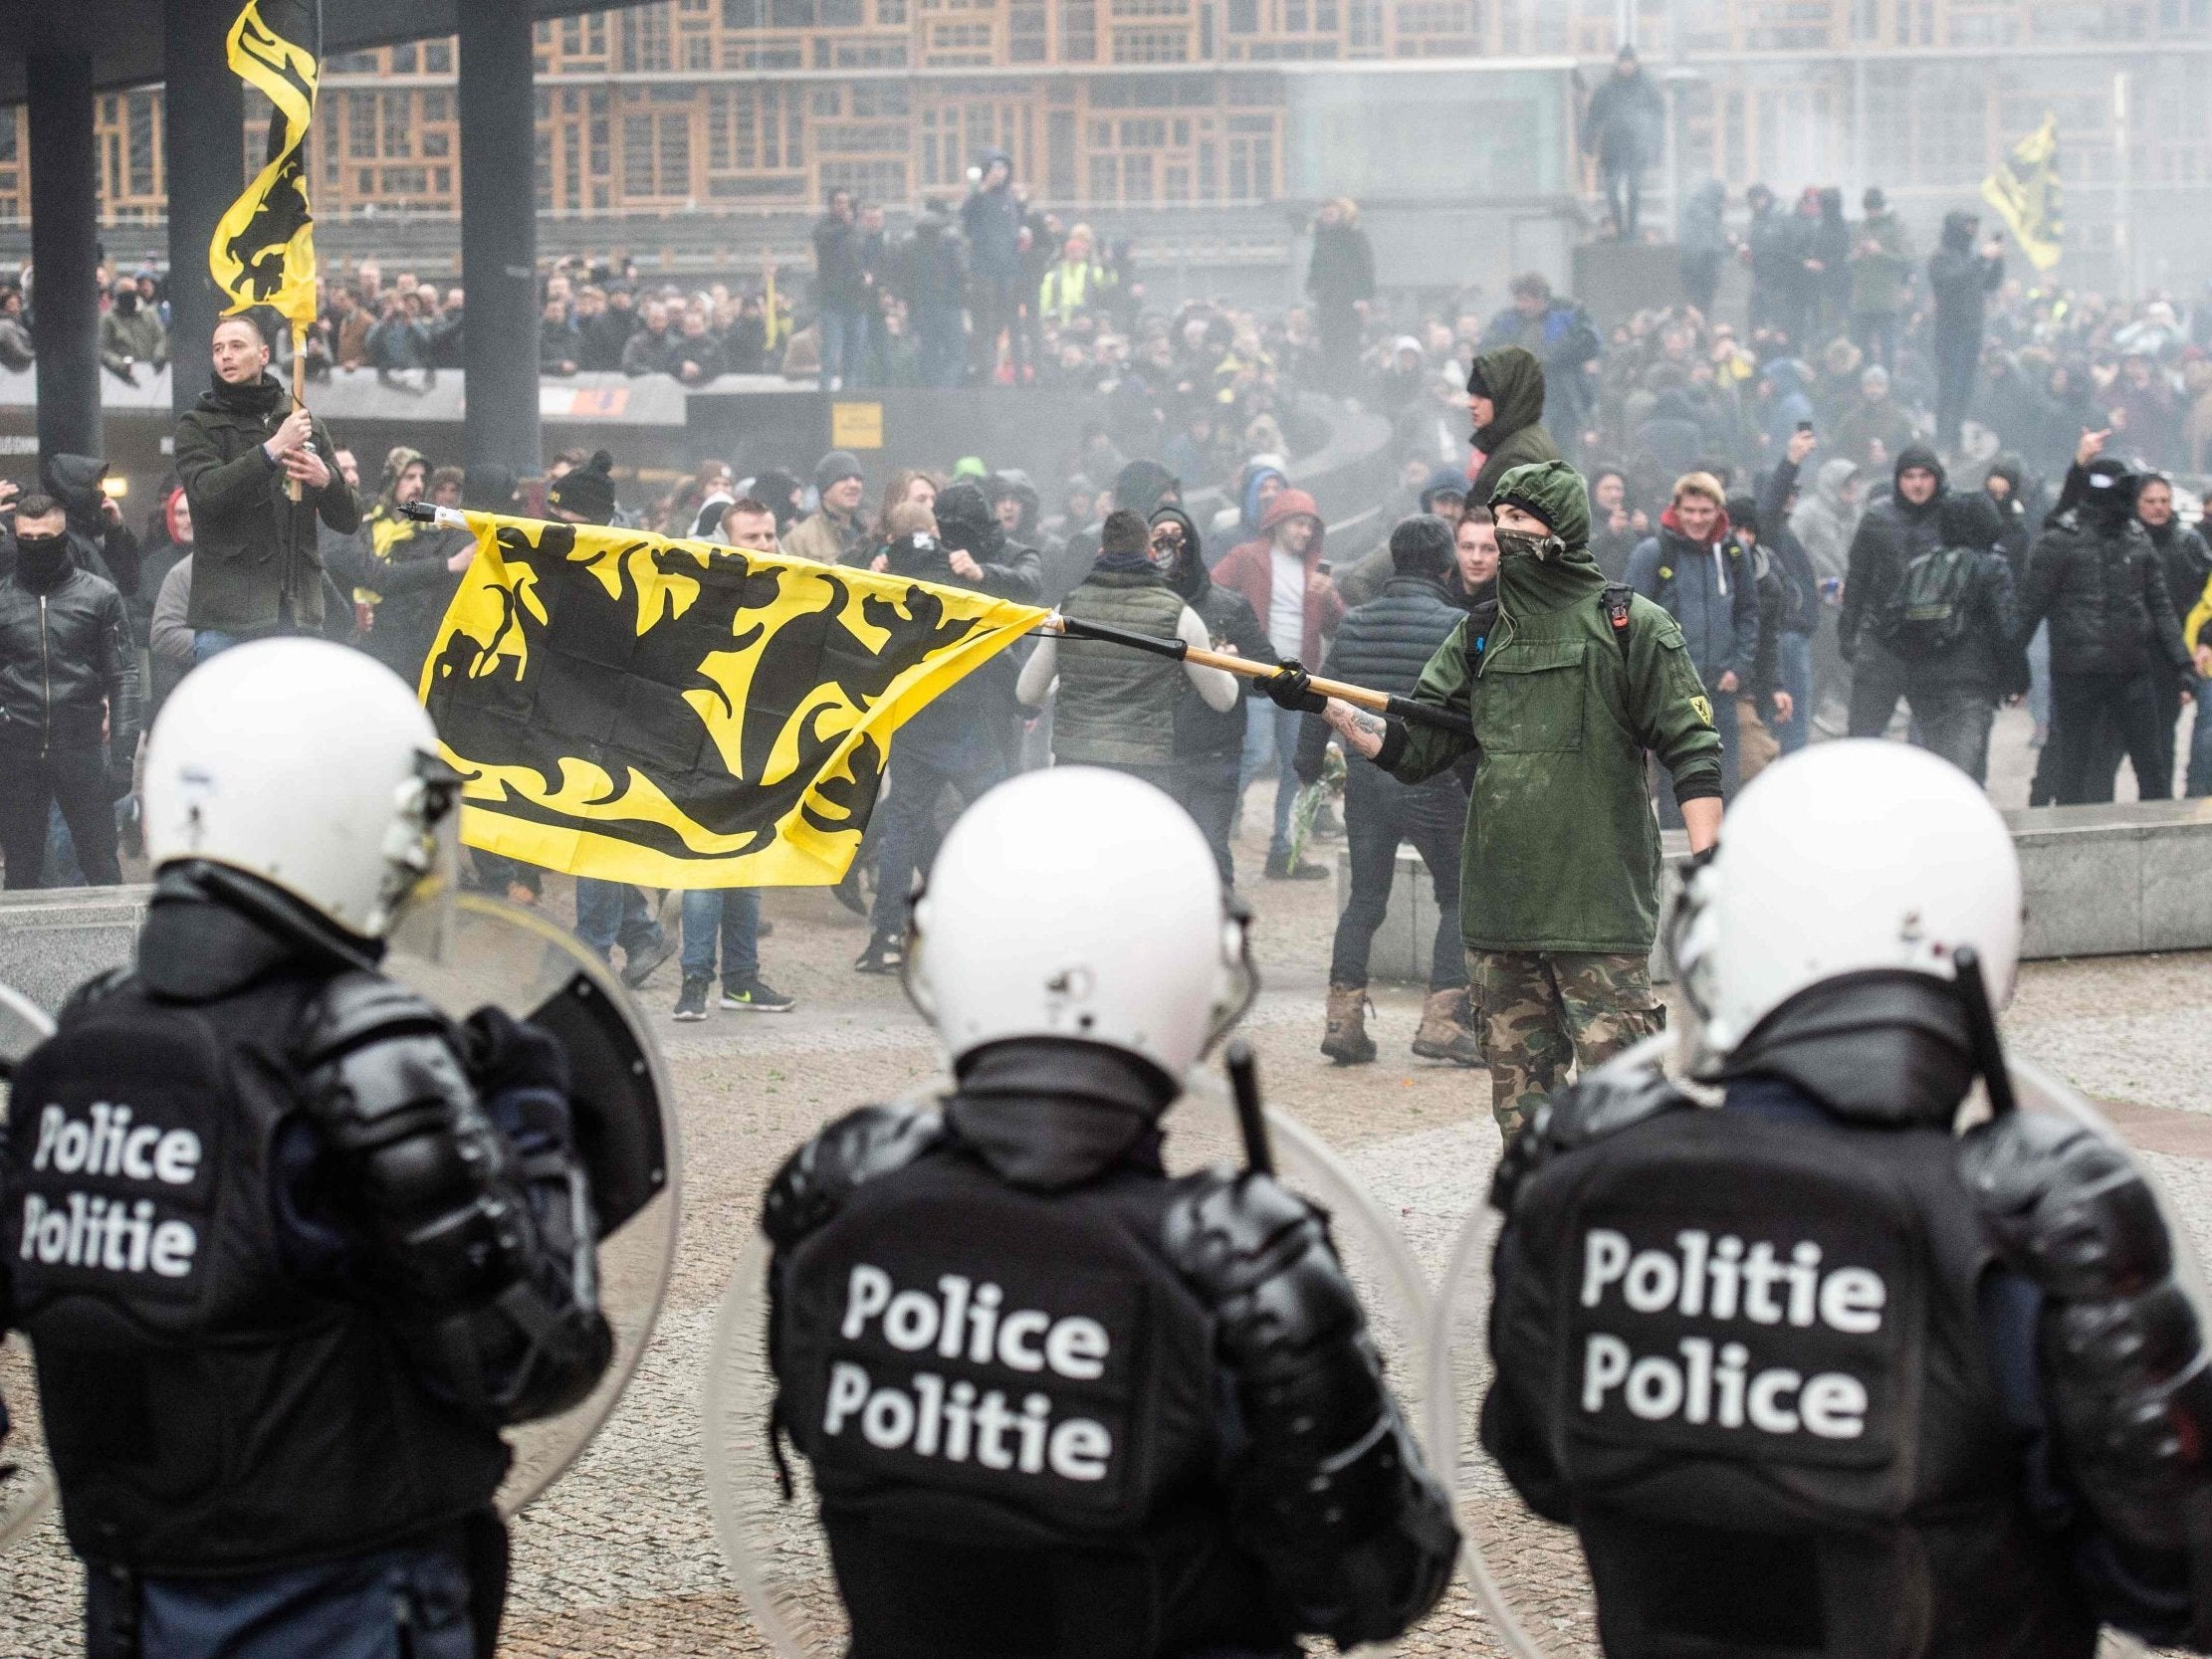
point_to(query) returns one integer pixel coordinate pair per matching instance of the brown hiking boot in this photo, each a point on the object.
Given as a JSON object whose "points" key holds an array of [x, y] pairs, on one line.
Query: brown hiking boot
{"points": [[1444, 1033], [1346, 1040]]}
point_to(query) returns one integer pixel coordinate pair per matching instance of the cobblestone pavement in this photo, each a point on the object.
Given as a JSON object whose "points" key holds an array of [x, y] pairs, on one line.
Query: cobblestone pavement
{"points": [[620, 1558]]}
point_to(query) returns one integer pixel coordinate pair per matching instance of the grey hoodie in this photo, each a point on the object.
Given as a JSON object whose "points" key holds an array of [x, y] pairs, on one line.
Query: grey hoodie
{"points": [[1824, 523]]}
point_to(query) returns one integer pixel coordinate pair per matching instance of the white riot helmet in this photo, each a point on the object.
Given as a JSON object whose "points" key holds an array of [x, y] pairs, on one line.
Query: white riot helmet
{"points": [[1846, 858], [1083, 903], [307, 764]]}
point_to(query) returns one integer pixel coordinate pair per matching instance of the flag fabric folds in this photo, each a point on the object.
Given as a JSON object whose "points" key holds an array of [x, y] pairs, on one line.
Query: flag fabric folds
{"points": [[675, 714], [2025, 192], [263, 251]]}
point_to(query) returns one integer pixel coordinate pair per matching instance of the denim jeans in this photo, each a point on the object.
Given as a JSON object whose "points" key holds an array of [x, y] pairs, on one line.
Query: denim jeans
{"points": [[1796, 662], [732, 916], [2199, 780], [1379, 813], [844, 345], [1206, 788], [1955, 724], [610, 914], [1271, 732], [906, 819], [410, 1603]]}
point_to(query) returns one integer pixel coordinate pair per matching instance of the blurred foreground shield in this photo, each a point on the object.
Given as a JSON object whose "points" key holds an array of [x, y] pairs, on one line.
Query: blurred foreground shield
{"points": [[1528, 1575], [483, 952], [26, 1482], [775, 1549]]}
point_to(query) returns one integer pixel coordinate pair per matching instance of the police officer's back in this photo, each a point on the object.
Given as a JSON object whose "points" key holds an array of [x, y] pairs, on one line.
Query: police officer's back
{"points": [[1808, 1374], [1009, 1343], [291, 1247]]}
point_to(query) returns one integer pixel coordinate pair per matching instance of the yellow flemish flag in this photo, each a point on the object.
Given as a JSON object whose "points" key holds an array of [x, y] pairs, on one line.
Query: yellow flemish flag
{"points": [[263, 251], [675, 714], [2025, 192]]}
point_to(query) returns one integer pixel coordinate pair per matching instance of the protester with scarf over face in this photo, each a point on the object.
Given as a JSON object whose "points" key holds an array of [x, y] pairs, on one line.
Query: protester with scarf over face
{"points": [[1209, 741], [1559, 872]]}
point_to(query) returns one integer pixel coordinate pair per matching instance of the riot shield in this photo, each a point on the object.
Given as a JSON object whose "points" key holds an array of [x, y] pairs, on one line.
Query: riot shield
{"points": [[774, 1546], [26, 1482], [488, 951], [1528, 1575]]}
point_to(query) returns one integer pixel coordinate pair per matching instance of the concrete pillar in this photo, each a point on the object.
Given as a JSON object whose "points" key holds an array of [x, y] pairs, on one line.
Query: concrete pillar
{"points": [[65, 240], [499, 235], [203, 136]]}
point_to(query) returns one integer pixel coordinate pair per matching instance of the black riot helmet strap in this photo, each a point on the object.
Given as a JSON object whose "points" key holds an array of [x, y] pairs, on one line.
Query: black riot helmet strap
{"points": [[1981, 1030]]}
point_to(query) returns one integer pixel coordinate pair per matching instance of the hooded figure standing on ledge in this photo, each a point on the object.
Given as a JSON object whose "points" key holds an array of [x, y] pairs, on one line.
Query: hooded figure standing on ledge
{"points": [[1568, 686]]}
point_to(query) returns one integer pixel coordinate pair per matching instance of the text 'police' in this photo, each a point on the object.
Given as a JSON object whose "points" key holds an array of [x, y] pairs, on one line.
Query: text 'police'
{"points": [[1709, 1380], [967, 1324], [111, 1233]]}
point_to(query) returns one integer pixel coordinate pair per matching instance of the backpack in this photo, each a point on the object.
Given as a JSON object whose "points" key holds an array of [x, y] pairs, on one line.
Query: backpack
{"points": [[1926, 614]]}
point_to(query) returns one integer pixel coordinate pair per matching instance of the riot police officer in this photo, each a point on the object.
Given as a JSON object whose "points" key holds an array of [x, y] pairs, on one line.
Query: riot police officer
{"points": [[1813, 1374], [1058, 1405], [290, 1246]]}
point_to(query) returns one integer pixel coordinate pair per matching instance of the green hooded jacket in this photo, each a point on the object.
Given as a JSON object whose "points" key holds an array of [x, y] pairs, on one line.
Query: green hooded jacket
{"points": [[1515, 436], [1562, 850]]}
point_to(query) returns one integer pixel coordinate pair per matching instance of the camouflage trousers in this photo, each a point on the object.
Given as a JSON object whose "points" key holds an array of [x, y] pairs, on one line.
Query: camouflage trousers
{"points": [[1546, 1010]]}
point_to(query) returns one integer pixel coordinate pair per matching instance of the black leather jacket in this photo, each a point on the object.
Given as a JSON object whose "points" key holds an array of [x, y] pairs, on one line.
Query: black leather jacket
{"points": [[67, 663]]}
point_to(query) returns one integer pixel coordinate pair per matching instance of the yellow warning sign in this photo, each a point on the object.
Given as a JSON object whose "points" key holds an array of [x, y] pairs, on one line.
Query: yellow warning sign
{"points": [[856, 426]]}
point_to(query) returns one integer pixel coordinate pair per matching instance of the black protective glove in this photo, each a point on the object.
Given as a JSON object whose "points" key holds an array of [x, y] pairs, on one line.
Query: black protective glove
{"points": [[503, 1053], [1290, 687]]}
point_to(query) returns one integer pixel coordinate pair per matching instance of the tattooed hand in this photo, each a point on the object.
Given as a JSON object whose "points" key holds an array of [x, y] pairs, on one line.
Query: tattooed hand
{"points": [[1359, 728]]}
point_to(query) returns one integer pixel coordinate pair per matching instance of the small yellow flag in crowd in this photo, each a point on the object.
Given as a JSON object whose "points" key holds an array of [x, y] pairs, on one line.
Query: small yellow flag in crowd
{"points": [[2025, 192]]}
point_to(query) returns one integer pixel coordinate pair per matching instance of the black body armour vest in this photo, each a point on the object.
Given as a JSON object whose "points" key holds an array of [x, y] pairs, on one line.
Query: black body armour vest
{"points": [[1748, 1350], [207, 1411], [1009, 1402]]}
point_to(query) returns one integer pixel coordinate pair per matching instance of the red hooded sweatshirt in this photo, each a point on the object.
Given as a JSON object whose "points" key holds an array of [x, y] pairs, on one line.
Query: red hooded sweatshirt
{"points": [[1249, 569]]}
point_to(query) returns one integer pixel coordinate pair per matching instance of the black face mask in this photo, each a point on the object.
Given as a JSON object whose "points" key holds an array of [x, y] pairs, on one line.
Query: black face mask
{"points": [[42, 561], [127, 303]]}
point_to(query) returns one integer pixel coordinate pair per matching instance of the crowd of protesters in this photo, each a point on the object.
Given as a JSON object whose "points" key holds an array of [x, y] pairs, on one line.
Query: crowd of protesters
{"points": [[1902, 492]]}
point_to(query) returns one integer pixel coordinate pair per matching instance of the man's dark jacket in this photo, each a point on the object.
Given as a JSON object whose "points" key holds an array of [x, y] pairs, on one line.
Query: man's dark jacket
{"points": [[68, 666], [2103, 589], [1201, 730], [255, 559], [1890, 536], [1384, 644]]}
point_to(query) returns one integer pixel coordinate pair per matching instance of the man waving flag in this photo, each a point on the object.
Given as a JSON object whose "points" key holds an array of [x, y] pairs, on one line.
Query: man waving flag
{"points": [[675, 714]]}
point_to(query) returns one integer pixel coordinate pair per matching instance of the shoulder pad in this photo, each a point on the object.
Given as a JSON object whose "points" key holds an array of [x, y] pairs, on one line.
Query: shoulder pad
{"points": [[1259, 1256], [1225, 1225], [2067, 1207], [863, 1145], [97, 989], [356, 1007], [1577, 1116]]}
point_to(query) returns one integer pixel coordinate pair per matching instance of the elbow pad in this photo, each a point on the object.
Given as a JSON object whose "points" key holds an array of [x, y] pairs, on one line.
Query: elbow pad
{"points": [[1329, 1490], [487, 1258], [2126, 1374]]}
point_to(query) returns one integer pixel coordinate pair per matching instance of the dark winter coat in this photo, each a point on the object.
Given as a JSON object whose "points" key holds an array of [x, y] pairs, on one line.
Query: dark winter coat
{"points": [[1624, 122], [1801, 587], [991, 220], [1342, 272], [837, 264], [1384, 644], [2185, 559], [256, 563], [1200, 730], [68, 666], [2104, 590], [1958, 276], [1890, 536], [1711, 593], [1515, 436], [1990, 659]]}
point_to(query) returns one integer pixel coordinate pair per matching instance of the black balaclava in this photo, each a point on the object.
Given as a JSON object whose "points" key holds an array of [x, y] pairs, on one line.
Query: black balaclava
{"points": [[42, 563], [2109, 501]]}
